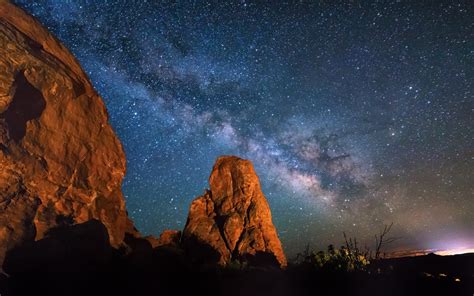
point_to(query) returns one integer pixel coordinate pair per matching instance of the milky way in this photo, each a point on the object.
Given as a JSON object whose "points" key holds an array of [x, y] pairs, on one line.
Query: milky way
{"points": [[354, 115]]}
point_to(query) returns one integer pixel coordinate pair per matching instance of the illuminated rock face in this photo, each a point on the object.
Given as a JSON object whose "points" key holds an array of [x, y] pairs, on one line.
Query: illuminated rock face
{"points": [[232, 221], [60, 161]]}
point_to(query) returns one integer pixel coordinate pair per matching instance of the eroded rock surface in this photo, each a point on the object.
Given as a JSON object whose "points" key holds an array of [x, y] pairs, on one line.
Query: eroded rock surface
{"points": [[60, 161], [232, 220], [167, 238]]}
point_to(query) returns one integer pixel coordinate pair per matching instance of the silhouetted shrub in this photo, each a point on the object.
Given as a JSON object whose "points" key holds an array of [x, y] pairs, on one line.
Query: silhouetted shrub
{"points": [[342, 259]]}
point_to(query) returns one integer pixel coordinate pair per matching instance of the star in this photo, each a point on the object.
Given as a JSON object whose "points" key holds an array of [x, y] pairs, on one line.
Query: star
{"points": [[343, 110]]}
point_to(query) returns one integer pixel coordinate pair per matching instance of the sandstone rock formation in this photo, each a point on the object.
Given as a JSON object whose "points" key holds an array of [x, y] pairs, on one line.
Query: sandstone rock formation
{"points": [[232, 220], [167, 238], [60, 161]]}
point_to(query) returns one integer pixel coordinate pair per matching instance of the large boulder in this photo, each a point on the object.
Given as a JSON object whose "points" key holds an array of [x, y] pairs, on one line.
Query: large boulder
{"points": [[60, 161], [232, 220], [81, 247]]}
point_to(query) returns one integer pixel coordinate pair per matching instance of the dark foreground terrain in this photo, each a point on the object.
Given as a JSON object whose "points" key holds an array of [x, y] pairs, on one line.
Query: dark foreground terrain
{"points": [[407, 278], [80, 261]]}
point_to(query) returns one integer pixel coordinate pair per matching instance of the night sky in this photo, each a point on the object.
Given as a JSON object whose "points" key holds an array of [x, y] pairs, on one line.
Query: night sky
{"points": [[354, 115]]}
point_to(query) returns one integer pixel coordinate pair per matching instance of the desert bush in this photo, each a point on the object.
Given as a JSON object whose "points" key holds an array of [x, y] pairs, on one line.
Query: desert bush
{"points": [[342, 259], [348, 257]]}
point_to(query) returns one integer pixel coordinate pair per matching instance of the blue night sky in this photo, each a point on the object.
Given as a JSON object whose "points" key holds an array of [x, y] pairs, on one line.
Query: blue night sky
{"points": [[354, 115]]}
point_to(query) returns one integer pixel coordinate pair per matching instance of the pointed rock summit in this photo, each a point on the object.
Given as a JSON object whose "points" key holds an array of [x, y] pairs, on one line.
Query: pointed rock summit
{"points": [[232, 220], [60, 161]]}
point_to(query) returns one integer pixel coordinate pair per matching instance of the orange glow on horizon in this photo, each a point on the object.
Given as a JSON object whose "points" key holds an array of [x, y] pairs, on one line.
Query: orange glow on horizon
{"points": [[455, 251]]}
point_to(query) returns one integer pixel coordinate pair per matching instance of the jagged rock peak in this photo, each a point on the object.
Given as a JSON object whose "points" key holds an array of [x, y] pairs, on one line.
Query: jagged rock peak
{"points": [[60, 161], [232, 220]]}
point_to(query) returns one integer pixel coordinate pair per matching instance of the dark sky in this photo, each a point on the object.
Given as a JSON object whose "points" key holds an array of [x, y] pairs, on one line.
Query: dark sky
{"points": [[354, 115]]}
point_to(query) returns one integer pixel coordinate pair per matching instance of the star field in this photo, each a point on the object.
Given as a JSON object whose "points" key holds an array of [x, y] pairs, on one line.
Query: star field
{"points": [[354, 115]]}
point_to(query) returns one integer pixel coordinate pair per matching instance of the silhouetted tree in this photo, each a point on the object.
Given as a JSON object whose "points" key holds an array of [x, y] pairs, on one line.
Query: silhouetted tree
{"points": [[382, 240]]}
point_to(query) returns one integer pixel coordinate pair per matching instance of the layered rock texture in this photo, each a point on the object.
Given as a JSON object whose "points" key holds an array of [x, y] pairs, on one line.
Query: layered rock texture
{"points": [[232, 220], [60, 161]]}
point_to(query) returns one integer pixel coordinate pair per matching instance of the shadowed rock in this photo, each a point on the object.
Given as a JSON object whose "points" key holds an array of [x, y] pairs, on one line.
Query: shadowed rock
{"points": [[27, 104], [167, 238], [80, 247], [233, 219]]}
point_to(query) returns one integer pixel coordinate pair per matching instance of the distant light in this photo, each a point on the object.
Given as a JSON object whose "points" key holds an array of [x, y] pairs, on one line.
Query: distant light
{"points": [[455, 251]]}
